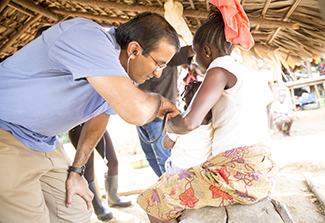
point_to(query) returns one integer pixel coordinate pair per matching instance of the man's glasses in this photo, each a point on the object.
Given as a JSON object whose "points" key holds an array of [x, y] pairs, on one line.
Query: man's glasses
{"points": [[160, 67]]}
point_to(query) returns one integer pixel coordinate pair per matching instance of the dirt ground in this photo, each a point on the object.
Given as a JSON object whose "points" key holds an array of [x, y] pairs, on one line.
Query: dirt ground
{"points": [[302, 153]]}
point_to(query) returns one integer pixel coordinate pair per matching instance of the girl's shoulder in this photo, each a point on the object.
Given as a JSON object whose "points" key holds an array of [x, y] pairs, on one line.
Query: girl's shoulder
{"points": [[230, 64], [226, 62]]}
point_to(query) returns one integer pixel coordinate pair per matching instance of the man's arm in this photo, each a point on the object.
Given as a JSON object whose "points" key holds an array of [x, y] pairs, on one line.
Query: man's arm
{"points": [[91, 133], [132, 104]]}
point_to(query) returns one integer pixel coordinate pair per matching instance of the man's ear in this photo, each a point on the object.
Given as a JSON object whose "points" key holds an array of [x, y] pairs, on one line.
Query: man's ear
{"points": [[133, 49]]}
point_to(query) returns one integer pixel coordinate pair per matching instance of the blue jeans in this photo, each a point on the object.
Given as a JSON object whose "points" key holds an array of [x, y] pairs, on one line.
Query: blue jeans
{"points": [[155, 153]]}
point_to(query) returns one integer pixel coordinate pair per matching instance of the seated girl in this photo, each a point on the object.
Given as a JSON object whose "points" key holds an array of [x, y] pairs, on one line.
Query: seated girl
{"points": [[241, 169]]}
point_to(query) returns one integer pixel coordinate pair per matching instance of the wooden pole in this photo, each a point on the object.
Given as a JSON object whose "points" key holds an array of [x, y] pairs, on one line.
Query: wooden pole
{"points": [[20, 31], [123, 7], [36, 8], [186, 12], [3, 4], [90, 16], [291, 10], [266, 6], [272, 23], [19, 8]]}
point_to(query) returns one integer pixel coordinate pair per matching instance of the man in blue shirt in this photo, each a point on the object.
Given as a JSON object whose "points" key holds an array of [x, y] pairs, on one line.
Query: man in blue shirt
{"points": [[75, 72]]}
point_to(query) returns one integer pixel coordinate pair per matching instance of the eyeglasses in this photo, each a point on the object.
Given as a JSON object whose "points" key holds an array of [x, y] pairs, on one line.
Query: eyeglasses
{"points": [[160, 67]]}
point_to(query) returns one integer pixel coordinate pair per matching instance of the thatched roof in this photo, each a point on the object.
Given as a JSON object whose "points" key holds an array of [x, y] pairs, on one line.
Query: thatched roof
{"points": [[293, 29]]}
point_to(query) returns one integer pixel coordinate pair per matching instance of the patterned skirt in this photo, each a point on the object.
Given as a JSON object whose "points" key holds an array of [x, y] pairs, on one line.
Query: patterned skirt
{"points": [[242, 175]]}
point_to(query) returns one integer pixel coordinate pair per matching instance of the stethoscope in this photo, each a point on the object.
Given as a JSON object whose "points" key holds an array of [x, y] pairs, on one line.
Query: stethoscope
{"points": [[146, 140]]}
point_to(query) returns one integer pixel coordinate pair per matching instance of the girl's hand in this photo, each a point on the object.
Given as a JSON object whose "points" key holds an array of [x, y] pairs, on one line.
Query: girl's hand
{"points": [[167, 106]]}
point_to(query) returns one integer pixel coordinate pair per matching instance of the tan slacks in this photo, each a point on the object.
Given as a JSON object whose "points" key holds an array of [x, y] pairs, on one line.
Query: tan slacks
{"points": [[32, 185]]}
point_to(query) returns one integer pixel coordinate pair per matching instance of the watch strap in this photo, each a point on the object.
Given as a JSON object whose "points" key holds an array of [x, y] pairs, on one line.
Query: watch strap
{"points": [[77, 170]]}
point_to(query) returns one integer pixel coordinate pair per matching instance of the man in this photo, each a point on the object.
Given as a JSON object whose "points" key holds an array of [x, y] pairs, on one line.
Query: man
{"points": [[282, 114], [265, 85], [166, 85], [74, 72]]}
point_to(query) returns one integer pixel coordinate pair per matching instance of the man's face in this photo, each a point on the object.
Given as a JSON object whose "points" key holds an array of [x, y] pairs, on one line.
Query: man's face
{"points": [[143, 68]]}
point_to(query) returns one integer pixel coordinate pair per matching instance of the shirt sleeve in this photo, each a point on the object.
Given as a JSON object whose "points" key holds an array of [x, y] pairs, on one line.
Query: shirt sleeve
{"points": [[181, 57], [86, 49], [172, 136]]}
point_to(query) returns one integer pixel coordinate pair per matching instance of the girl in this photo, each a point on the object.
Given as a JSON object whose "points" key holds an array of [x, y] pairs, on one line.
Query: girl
{"points": [[241, 169]]}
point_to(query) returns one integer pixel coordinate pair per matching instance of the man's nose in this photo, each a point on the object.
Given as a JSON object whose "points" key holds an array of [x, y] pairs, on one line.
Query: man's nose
{"points": [[157, 73]]}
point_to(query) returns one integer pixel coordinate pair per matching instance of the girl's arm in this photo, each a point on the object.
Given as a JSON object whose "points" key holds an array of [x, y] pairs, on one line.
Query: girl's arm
{"points": [[167, 143], [215, 81]]}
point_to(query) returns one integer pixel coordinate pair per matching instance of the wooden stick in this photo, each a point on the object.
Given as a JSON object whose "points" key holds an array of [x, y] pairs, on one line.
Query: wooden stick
{"points": [[126, 193], [3, 4], [290, 11], [36, 8], [272, 23], [258, 36], [90, 16], [266, 6], [17, 7], [20, 31]]}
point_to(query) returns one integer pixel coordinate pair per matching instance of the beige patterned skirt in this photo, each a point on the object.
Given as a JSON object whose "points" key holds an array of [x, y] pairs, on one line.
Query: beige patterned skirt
{"points": [[242, 175]]}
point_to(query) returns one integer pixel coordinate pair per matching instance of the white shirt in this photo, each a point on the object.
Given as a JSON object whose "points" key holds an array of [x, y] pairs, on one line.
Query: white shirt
{"points": [[191, 149], [239, 117]]}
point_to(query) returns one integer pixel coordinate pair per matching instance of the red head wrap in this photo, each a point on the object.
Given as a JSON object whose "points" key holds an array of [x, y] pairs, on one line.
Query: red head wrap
{"points": [[236, 22]]}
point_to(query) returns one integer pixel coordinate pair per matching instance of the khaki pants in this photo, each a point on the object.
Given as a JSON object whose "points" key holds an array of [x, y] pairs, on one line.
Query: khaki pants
{"points": [[32, 185]]}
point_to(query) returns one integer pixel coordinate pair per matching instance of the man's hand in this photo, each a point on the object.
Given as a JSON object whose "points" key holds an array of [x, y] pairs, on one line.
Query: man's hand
{"points": [[76, 184], [167, 106]]}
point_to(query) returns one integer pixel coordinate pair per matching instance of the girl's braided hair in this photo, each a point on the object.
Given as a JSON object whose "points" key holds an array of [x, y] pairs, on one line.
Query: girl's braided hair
{"points": [[188, 94], [212, 33]]}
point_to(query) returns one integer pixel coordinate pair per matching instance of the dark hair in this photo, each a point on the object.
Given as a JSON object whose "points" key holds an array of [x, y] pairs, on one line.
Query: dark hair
{"points": [[147, 29], [40, 31], [188, 94], [212, 33]]}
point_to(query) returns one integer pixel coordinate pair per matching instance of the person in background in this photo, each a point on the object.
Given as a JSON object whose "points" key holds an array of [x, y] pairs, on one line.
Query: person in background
{"points": [[166, 85], [193, 74], [241, 169], [282, 114], [76, 72], [106, 150], [264, 86]]}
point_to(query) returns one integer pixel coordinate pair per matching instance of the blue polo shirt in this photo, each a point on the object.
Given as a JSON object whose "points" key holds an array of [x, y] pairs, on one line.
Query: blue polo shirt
{"points": [[43, 86]]}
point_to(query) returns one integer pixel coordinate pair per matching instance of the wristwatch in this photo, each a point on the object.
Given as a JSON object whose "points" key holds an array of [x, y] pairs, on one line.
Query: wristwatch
{"points": [[77, 170]]}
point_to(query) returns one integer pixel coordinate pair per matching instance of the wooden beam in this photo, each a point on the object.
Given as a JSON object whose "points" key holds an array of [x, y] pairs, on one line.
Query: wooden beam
{"points": [[3, 4], [122, 7], [265, 48], [207, 3], [260, 36], [186, 12], [90, 16], [266, 6], [17, 7], [139, 8], [290, 11], [19, 32], [192, 4], [38, 9], [272, 23]]}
